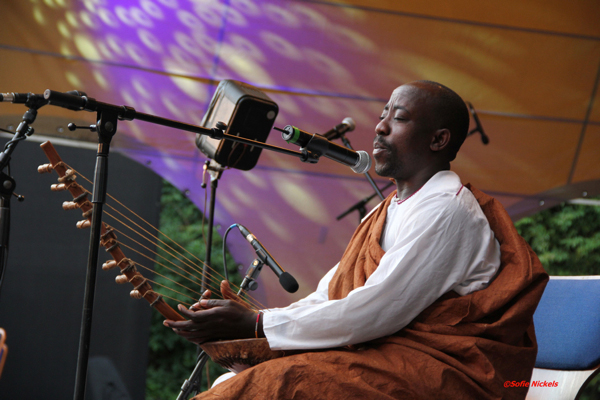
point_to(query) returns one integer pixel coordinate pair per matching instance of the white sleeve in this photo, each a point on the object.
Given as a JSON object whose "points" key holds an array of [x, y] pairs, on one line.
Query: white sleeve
{"points": [[440, 246], [318, 296]]}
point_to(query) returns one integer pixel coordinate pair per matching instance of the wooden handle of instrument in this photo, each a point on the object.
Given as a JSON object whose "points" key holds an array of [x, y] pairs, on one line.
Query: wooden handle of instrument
{"points": [[109, 241]]}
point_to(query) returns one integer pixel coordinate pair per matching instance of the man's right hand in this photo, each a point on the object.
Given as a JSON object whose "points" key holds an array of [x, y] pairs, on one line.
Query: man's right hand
{"points": [[210, 319]]}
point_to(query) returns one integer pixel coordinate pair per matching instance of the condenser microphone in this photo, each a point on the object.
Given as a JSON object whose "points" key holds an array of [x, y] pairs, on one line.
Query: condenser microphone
{"points": [[19, 98], [478, 127], [42, 99], [359, 161], [347, 125], [285, 279]]}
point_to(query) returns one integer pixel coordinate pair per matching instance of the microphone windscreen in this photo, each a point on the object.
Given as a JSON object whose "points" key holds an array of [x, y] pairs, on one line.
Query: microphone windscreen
{"points": [[288, 282], [364, 162], [350, 122]]}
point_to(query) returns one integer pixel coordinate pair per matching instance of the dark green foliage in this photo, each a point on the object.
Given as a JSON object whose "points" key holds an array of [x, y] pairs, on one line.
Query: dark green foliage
{"points": [[171, 358], [592, 390], [566, 238]]}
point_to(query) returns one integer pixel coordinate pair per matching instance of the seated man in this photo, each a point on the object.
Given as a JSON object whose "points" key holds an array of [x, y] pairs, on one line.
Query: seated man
{"points": [[432, 299]]}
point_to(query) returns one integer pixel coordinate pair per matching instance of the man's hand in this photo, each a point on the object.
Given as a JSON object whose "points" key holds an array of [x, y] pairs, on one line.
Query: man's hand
{"points": [[215, 319]]}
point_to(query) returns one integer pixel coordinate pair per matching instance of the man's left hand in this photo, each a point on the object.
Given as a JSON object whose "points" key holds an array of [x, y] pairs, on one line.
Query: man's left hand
{"points": [[215, 319]]}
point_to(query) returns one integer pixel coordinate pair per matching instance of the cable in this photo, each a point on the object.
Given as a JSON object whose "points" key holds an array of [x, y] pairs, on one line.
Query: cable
{"points": [[224, 252]]}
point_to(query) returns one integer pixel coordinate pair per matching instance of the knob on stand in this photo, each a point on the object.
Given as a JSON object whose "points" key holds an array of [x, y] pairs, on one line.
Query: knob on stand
{"points": [[72, 127]]}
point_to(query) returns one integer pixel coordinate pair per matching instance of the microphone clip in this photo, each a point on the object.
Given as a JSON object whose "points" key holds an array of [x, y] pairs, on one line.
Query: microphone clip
{"points": [[308, 156], [218, 132], [249, 283], [314, 149]]}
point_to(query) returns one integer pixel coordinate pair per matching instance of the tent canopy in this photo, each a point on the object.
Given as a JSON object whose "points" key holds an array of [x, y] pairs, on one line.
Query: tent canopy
{"points": [[530, 68]]}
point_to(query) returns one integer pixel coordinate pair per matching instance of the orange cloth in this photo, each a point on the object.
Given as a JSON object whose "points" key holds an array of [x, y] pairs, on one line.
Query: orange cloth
{"points": [[461, 347]]}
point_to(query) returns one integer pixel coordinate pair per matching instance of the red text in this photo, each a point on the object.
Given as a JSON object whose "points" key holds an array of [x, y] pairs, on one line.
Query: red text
{"points": [[517, 384]]}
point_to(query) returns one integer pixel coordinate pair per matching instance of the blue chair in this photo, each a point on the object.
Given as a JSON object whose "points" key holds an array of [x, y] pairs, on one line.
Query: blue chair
{"points": [[567, 327]]}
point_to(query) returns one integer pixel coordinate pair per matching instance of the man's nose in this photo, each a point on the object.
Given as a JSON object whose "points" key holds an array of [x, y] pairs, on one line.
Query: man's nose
{"points": [[382, 128]]}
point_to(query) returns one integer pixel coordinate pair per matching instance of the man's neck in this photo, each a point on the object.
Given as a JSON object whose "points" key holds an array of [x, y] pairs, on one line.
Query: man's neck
{"points": [[407, 187]]}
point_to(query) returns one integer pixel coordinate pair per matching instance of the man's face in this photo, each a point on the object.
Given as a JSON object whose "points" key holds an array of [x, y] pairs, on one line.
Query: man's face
{"points": [[403, 135]]}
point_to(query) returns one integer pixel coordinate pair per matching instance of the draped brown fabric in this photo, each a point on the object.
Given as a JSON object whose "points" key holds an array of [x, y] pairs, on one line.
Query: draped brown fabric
{"points": [[363, 254], [461, 347]]}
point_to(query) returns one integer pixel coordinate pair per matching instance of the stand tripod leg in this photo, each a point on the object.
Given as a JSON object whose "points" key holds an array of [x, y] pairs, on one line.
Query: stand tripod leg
{"points": [[107, 125], [88, 303], [4, 233], [192, 384], [211, 221]]}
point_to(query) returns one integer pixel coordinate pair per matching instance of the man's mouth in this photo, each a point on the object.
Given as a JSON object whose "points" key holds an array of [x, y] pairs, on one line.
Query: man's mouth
{"points": [[378, 148]]}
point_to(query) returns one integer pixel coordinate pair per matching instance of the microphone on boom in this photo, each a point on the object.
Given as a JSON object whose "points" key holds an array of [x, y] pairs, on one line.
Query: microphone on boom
{"points": [[285, 279], [359, 161], [478, 127], [19, 98], [49, 97], [347, 125]]}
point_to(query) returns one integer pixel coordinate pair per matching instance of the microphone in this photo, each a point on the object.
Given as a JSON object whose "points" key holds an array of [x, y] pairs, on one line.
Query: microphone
{"points": [[49, 97], [347, 125], [359, 161], [71, 100], [285, 279], [19, 98], [478, 128]]}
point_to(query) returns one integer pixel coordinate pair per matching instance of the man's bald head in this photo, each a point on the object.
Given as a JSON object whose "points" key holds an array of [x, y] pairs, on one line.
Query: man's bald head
{"points": [[449, 111]]}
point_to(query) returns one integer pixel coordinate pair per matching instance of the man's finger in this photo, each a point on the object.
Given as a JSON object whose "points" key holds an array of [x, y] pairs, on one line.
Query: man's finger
{"points": [[228, 293], [211, 303], [206, 295], [192, 336], [204, 309], [177, 324]]}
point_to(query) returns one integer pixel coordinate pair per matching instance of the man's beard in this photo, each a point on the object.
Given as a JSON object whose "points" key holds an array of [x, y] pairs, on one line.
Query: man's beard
{"points": [[389, 168]]}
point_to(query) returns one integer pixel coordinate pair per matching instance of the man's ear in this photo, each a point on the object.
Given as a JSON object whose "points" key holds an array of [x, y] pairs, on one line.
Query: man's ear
{"points": [[440, 140]]}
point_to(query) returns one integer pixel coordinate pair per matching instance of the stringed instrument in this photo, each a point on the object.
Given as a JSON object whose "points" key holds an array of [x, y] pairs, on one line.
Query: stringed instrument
{"points": [[3, 349], [235, 355], [108, 239]]}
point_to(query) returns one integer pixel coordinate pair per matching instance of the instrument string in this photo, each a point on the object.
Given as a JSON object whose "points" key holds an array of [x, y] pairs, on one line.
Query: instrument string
{"points": [[189, 264], [194, 299], [253, 303], [214, 280], [160, 232], [161, 264]]}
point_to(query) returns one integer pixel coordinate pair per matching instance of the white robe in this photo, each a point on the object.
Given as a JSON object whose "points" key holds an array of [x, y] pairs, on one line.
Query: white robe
{"points": [[436, 241]]}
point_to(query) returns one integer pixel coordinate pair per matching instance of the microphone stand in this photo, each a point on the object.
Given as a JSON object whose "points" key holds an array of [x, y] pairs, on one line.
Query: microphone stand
{"points": [[8, 184], [84, 103], [192, 384], [215, 171], [106, 128], [367, 175], [107, 117], [360, 206]]}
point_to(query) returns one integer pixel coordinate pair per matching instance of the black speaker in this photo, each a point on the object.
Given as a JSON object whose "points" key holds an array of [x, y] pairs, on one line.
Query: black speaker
{"points": [[104, 381], [248, 113]]}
